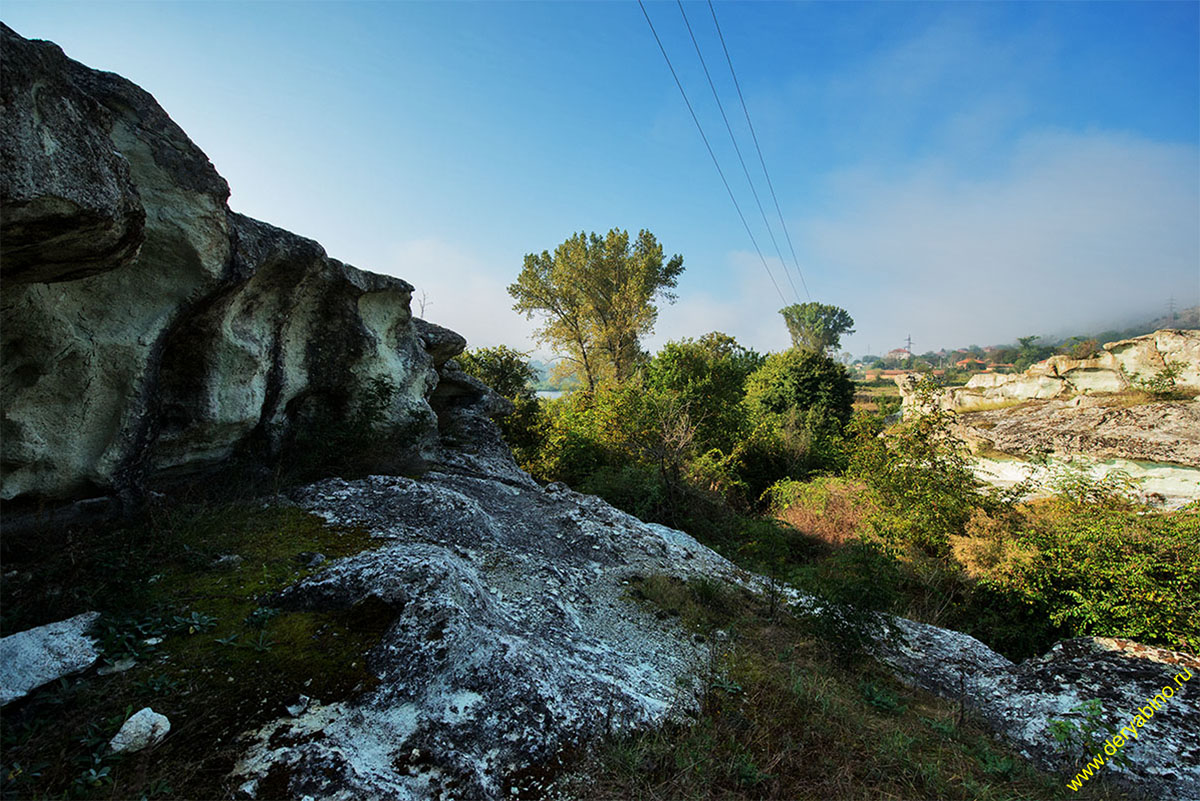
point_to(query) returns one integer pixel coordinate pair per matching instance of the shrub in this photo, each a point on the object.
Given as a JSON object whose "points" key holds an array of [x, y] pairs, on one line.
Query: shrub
{"points": [[1163, 385], [796, 379], [1109, 571], [920, 471], [708, 376]]}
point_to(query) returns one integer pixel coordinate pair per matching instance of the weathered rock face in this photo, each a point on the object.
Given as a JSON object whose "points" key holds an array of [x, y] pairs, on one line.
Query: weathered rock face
{"points": [[1115, 370], [147, 330], [1151, 432], [514, 637], [1021, 701]]}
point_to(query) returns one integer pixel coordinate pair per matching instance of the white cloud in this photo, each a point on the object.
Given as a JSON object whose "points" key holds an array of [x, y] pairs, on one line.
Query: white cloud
{"points": [[748, 310], [1080, 230]]}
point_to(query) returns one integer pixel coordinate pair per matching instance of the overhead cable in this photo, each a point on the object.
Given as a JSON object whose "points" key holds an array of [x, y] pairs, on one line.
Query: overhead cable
{"points": [[761, 160], [712, 155], [737, 149]]}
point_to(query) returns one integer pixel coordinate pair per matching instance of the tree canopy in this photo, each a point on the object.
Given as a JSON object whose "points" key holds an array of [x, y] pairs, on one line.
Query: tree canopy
{"points": [[596, 295], [817, 327]]}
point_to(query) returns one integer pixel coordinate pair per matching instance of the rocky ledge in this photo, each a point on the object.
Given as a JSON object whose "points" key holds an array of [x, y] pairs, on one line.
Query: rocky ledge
{"points": [[1021, 702], [515, 638], [1093, 427]]}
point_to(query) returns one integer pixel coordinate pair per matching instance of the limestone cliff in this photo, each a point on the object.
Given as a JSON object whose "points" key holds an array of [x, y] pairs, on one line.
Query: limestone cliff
{"points": [[150, 331], [1116, 368]]}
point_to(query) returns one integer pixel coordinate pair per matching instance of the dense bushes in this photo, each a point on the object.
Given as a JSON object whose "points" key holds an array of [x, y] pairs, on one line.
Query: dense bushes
{"points": [[705, 423], [763, 460], [1095, 569]]}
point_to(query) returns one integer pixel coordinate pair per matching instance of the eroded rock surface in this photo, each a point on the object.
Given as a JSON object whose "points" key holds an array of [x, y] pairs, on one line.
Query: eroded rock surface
{"points": [[149, 332], [1118, 367], [1020, 701], [514, 637], [1151, 432]]}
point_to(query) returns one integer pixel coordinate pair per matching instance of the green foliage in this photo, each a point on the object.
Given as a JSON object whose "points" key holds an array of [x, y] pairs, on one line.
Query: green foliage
{"points": [[1100, 570], [817, 327], [1083, 738], [920, 471], [507, 371], [1074, 481], [597, 297], [708, 376], [854, 587], [1030, 352], [805, 380], [1163, 385]]}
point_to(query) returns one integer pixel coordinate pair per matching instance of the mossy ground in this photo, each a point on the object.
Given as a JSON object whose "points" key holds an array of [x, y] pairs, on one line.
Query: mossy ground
{"points": [[226, 662], [780, 719]]}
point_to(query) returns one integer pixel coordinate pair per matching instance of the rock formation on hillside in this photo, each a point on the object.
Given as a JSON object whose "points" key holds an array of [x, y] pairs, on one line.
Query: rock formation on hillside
{"points": [[1152, 432], [149, 331], [1022, 701], [515, 639], [1117, 368]]}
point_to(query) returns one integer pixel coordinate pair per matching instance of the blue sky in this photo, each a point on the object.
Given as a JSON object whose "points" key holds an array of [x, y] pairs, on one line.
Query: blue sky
{"points": [[964, 173]]}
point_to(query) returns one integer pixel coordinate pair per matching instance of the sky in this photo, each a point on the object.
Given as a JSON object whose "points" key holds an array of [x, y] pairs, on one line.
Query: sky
{"points": [[961, 173]]}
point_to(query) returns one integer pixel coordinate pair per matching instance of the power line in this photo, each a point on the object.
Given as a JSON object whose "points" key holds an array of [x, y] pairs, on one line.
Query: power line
{"points": [[761, 160], [737, 149], [712, 155]]}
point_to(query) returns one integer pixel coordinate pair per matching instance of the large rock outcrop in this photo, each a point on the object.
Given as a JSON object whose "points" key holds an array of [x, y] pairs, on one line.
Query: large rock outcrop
{"points": [[1120, 366], [515, 638], [1022, 701], [1167, 431], [147, 330]]}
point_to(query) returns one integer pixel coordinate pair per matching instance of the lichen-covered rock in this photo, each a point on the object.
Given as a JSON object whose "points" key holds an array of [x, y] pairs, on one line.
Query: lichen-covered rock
{"points": [[1020, 701], [514, 638], [29, 659], [147, 331]]}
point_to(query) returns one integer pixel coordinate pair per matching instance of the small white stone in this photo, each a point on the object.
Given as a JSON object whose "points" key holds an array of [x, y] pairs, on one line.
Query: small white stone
{"points": [[143, 729]]}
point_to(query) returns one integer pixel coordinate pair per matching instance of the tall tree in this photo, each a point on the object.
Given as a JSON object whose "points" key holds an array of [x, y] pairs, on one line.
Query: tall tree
{"points": [[597, 297], [817, 327]]}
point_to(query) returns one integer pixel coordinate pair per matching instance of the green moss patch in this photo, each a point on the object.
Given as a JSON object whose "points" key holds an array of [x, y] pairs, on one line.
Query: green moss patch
{"points": [[185, 596]]}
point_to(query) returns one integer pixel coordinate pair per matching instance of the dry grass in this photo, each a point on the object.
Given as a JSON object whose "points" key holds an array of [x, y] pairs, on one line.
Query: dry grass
{"points": [[996, 404], [831, 510], [779, 720], [1137, 397]]}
